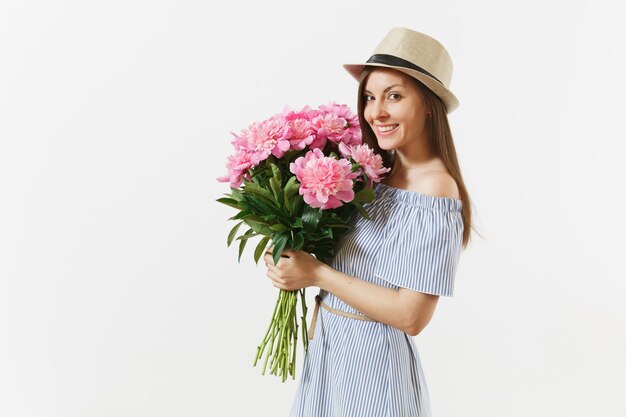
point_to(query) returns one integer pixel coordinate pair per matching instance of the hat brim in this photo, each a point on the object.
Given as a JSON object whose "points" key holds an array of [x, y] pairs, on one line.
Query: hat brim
{"points": [[449, 99]]}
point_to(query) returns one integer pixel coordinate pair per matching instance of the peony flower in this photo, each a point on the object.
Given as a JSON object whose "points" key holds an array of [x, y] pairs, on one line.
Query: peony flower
{"points": [[326, 182], [263, 139], [296, 145], [237, 166], [352, 131], [370, 162], [300, 129], [327, 127]]}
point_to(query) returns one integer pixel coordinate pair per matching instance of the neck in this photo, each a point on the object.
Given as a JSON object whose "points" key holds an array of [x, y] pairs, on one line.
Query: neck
{"points": [[414, 158]]}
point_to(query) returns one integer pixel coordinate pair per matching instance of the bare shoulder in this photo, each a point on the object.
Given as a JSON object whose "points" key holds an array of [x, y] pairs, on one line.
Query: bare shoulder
{"points": [[438, 183]]}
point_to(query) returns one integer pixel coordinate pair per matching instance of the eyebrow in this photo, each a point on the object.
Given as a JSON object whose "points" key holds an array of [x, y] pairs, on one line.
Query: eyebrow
{"points": [[387, 89]]}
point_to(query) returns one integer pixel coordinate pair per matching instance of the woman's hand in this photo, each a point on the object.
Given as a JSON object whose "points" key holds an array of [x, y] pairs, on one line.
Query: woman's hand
{"points": [[295, 270]]}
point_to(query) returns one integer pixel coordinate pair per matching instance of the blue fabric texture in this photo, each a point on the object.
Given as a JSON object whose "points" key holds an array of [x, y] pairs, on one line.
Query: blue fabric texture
{"points": [[356, 368]]}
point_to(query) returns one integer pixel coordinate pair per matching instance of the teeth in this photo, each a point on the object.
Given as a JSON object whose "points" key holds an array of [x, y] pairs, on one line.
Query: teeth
{"points": [[386, 128]]}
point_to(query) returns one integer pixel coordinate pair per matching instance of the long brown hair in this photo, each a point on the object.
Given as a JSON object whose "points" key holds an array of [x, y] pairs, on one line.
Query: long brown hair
{"points": [[439, 134]]}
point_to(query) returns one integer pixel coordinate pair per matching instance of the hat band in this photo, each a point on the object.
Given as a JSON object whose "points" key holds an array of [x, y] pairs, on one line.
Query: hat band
{"points": [[398, 62]]}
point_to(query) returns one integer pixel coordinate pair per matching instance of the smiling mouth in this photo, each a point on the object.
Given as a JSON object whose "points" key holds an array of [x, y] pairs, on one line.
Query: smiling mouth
{"points": [[386, 128]]}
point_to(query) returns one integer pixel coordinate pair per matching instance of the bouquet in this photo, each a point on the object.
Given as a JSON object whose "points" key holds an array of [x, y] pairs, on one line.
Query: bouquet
{"points": [[296, 178]]}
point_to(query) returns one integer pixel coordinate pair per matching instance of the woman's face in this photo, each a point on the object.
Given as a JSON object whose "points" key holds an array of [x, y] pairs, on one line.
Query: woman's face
{"points": [[394, 109]]}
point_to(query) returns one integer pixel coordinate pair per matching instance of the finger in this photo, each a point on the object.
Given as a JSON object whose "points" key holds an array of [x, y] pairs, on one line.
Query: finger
{"points": [[280, 286], [276, 281], [281, 265], [275, 277], [274, 270]]}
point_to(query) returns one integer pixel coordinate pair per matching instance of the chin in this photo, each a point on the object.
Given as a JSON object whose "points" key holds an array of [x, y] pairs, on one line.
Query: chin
{"points": [[386, 145]]}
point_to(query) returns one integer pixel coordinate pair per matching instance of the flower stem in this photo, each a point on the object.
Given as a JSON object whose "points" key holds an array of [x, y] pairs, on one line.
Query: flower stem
{"points": [[279, 344]]}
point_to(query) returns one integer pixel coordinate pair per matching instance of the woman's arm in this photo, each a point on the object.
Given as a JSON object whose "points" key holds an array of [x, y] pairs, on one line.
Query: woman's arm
{"points": [[404, 309]]}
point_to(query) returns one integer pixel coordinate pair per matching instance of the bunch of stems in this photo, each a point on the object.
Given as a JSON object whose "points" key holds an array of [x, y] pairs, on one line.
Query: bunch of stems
{"points": [[280, 340]]}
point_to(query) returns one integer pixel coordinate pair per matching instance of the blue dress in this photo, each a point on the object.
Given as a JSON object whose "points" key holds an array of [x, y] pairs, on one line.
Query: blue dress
{"points": [[356, 368]]}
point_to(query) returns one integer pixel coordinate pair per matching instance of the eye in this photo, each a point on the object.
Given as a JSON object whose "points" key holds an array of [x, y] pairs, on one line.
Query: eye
{"points": [[368, 97], [394, 96]]}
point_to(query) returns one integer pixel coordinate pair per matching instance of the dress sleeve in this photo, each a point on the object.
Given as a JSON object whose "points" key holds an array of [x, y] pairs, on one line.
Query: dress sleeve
{"points": [[422, 251]]}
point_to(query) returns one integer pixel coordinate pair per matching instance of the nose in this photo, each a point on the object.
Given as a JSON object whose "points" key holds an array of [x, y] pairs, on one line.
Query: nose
{"points": [[379, 110]]}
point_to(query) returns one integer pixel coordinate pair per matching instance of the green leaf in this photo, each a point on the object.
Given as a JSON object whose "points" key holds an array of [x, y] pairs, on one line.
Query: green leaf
{"points": [[255, 178], [271, 221], [366, 195], [297, 205], [292, 186], [291, 191], [232, 233], [258, 225], [275, 185], [287, 203], [254, 218], [260, 228], [278, 227], [361, 210], [247, 236], [240, 215], [289, 156], [311, 218], [260, 248], [276, 173], [291, 181], [242, 244], [236, 194], [322, 234], [280, 241], [257, 204], [256, 189], [229, 202], [298, 241]]}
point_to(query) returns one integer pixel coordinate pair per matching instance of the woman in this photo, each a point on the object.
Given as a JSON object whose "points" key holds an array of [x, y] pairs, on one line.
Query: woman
{"points": [[384, 281]]}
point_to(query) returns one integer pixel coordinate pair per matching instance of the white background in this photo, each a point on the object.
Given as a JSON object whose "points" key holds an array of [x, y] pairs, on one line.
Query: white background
{"points": [[118, 295]]}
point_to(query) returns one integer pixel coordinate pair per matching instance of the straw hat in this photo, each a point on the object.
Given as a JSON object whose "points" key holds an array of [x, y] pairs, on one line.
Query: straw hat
{"points": [[415, 54]]}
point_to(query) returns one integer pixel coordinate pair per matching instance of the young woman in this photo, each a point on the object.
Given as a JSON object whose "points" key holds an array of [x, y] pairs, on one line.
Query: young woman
{"points": [[384, 281]]}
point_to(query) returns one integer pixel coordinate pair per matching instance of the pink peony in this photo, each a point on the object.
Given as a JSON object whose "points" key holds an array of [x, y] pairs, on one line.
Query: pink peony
{"points": [[327, 127], [371, 163], [301, 132], [352, 130], [237, 166], [326, 182], [263, 139]]}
